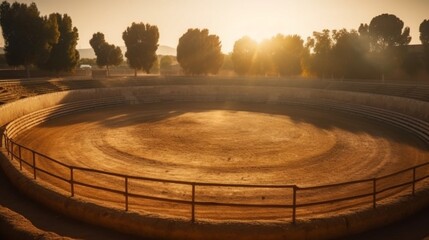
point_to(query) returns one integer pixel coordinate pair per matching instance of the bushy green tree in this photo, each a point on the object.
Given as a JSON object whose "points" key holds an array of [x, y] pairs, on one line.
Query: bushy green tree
{"points": [[387, 34], [155, 66], [321, 60], [287, 52], [165, 63], [97, 42], [424, 32], [349, 55], [263, 64], [198, 52], [227, 65], [340, 54], [63, 56], [141, 41], [88, 61], [243, 55], [424, 38], [387, 30], [28, 36], [107, 54]]}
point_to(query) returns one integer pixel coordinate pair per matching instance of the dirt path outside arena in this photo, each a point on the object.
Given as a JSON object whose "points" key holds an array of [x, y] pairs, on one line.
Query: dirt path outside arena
{"points": [[225, 143]]}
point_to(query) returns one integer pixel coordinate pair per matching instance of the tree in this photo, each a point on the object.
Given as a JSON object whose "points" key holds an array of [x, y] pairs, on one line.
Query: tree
{"points": [[424, 38], [97, 41], [321, 44], [363, 31], [387, 34], [412, 63], [155, 66], [227, 67], [88, 61], [3, 62], [165, 63], [243, 55], [141, 41], [63, 56], [287, 52], [339, 53], [28, 36], [107, 54], [424, 32], [199, 53], [386, 31], [349, 55], [263, 64]]}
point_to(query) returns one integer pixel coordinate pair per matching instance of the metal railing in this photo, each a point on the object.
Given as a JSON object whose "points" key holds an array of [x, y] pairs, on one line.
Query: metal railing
{"points": [[15, 152], [375, 188]]}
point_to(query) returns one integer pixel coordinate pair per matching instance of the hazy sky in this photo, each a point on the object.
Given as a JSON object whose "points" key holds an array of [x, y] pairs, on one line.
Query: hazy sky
{"points": [[229, 19]]}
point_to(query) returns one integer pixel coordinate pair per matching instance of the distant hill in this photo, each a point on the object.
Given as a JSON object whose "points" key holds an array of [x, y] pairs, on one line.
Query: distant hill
{"points": [[162, 50], [89, 52]]}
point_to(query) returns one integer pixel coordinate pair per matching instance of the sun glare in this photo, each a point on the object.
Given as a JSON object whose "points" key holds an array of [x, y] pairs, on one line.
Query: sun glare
{"points": [[230, 20]]}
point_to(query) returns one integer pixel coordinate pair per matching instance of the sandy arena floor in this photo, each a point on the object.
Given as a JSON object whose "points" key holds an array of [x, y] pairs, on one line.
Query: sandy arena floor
{"points": [[224, 143]]}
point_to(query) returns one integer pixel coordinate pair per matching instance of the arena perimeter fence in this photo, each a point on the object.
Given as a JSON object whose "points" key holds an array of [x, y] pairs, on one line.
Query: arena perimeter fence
{"points": [[15, 150]]}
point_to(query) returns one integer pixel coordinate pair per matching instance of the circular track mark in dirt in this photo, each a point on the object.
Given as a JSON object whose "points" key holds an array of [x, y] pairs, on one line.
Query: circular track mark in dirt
{"points": [[225, 143]]}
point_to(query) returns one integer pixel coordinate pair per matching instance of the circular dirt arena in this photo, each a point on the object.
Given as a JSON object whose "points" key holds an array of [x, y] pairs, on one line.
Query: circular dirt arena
{"points": [[226, 143]]}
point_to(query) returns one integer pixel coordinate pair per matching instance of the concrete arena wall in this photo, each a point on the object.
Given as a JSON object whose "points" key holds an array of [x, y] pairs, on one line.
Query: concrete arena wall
{"points": [[19, 108], [174, 229], [152, 227]]}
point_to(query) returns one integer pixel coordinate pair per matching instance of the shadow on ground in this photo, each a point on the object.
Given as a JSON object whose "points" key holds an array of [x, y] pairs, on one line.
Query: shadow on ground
{"points": [[415, 227], [50, 221], [318, 117]]}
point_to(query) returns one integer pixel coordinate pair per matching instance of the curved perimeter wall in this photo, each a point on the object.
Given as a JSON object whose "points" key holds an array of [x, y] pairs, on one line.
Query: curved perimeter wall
{"points": [[19, 108], [171, 229]]}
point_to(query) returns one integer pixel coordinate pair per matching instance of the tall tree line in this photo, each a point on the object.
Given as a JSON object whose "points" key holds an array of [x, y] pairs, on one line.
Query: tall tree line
{"points": [[199, 52], [106, 54], [48, 42], [141, 41], [424, 38], [375, 50]]}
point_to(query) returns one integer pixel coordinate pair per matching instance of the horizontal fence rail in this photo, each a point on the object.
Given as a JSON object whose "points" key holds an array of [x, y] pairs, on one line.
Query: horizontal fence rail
{"points": [[14, 149], [34, 161]]}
